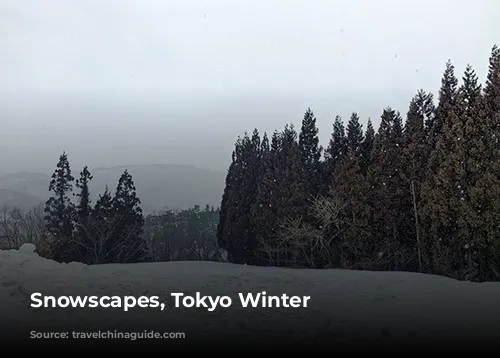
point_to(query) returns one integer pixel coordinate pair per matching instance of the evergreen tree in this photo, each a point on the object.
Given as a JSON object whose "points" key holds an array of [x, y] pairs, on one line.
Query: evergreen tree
{"points": [[469, 95], [291, 193], [129, 246], [264, 149], [415, 159], [444, 185], [238, 232], [446, 105], [422, 105], [265, 209], [253, 177], [492, 86], [310, 152], [486, 191], [388, 200], [222, 234], [367, 146], [292, 185], [480, 201], [276, 141], [83, 210], [336, 149], [474, 138], [281, 194], [59, 211], [338, 142], [354, 134], [351, 192], [101, 230], [83, 207], [103, 208], [231, 212], [397, 130]]}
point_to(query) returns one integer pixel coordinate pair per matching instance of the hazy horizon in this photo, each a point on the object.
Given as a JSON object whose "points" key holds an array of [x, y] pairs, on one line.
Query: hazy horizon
{"points": [[153, 82]]}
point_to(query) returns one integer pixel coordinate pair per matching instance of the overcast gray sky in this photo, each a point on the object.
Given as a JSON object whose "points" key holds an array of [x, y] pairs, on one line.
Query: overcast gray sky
{"points": [[175, 81]]}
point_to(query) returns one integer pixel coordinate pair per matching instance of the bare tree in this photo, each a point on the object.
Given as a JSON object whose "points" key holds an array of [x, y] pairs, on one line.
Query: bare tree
{"points": [[18, 227], [270, 248], [337, 240], [301, 240], [101, 245], [329, 212], [307, 244]]}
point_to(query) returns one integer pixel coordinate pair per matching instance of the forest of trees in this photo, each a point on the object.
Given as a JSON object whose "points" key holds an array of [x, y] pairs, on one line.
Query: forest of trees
{"points": [[422, 193]]}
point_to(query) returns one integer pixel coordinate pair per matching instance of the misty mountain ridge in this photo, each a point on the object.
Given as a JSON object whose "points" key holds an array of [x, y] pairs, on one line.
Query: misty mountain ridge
{"points": [[159, 186]]}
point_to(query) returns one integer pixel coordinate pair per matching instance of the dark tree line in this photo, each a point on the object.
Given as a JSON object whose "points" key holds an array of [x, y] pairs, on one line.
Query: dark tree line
{"points": [[183, 235], [422, 193], [110, 231]]}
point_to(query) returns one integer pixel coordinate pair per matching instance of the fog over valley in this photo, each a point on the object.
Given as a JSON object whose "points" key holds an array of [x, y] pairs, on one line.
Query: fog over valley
{"points": [[131, 82], [189, 129], [134, 84]]}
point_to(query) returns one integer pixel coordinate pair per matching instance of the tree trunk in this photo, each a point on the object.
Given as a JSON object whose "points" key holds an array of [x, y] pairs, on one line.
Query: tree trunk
{"points": [[417, 231]]}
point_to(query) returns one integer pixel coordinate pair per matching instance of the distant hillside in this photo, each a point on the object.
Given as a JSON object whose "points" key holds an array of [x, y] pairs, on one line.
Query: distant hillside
{"points": [[158, 186], [24, 201]]}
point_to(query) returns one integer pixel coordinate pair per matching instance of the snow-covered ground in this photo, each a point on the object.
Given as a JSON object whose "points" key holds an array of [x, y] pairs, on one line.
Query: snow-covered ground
{"points": [[343, 304]]}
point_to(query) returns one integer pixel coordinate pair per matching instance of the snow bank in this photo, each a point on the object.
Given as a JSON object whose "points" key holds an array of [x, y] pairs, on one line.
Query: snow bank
{"points": [[343, 303]]}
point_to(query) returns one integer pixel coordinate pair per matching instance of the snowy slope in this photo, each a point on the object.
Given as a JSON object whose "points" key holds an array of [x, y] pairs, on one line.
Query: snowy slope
{"points": [[343, 304]]}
